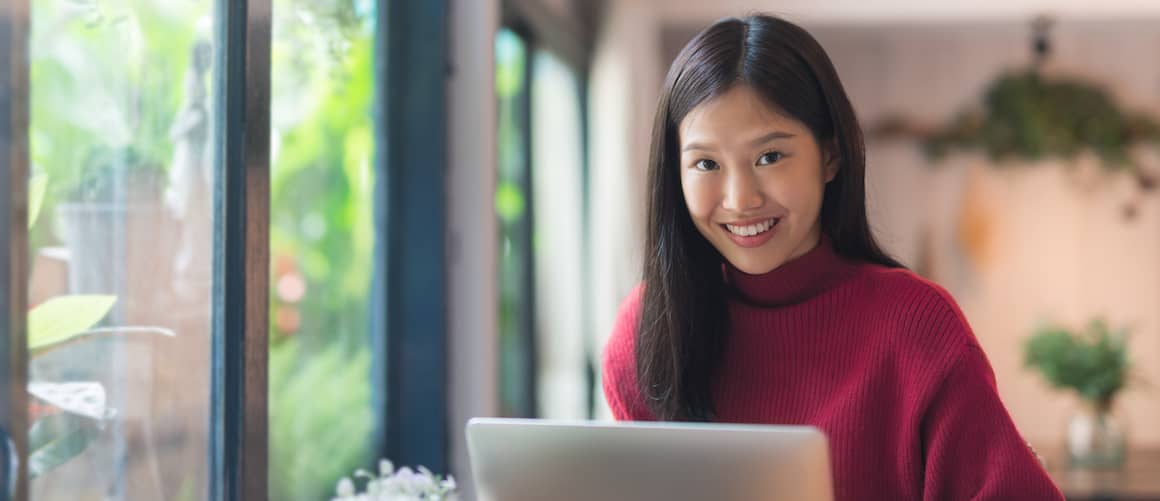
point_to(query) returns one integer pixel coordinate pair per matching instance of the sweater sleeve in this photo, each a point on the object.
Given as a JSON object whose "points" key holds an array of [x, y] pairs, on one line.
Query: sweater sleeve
{"points": [[972, 449], [619, 376]]}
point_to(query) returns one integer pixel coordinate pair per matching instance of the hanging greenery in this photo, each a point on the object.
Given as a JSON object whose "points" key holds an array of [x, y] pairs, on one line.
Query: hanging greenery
{"points": [[1028, 116]]}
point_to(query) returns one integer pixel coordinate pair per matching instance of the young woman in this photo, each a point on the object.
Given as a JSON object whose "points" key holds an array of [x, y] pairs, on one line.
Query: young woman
{"points": [[765, 298]]}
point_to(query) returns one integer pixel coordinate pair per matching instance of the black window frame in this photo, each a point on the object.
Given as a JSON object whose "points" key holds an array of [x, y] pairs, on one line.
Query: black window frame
{"points": [[240, 333], [409, 283]]}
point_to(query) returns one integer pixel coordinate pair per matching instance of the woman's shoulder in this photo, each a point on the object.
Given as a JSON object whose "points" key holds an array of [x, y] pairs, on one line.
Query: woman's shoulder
{"points": [[899, 286], [619, 350], [917, 308], [619, 361]]}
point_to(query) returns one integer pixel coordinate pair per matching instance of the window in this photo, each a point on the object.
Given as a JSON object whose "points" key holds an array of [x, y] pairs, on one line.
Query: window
{"points": [[545, 340], [200, 227], [512, 200], [120, 248]]}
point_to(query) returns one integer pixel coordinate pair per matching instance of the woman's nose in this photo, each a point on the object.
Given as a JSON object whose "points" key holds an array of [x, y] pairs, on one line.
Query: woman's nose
{"points": [[742, 192]]}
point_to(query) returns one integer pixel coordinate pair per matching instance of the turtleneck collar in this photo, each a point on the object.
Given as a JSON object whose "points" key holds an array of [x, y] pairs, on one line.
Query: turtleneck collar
{"points": [[795, 281]]}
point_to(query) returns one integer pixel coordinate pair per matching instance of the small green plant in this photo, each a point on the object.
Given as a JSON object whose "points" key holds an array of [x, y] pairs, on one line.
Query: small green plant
{"points": [[1093, 362], [68, 416]]}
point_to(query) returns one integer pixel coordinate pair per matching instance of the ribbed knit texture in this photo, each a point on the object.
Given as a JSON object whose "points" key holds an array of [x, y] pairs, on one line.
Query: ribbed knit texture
{"points": [[879, 359]]}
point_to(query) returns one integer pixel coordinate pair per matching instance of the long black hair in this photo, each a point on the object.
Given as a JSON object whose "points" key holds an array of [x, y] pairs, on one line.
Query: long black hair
{"points": [[683, 321]]}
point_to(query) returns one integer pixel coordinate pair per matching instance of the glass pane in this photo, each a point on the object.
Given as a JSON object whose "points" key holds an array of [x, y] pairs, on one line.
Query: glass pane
{"points": [[120, 248], [514, 239], [321, 241], [557, 161]]}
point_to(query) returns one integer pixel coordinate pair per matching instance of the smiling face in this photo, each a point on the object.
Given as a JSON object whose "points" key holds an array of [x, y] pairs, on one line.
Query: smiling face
{"points": [[753, 180]]}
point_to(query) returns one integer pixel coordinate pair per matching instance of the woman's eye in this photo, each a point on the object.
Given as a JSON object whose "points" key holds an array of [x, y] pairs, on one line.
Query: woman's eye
{"points": [[705, 165], [770, 158]]}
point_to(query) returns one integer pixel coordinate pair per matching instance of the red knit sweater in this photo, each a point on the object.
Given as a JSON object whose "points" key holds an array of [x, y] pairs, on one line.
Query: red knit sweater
{"points": [[879, 359]]}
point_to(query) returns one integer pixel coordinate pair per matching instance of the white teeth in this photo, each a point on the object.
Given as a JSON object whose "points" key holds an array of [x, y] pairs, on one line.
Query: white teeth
{"points": [[752, 229]]}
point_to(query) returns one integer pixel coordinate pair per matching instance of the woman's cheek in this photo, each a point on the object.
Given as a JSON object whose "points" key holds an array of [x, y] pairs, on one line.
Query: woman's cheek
{"points": [[698, 196]]}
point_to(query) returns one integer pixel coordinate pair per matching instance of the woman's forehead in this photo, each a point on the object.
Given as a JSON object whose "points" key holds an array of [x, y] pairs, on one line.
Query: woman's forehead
{"points": [[739, 113]]}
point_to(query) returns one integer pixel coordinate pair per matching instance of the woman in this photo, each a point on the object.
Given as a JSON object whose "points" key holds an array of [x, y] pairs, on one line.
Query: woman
{"points": [[765, 298]]}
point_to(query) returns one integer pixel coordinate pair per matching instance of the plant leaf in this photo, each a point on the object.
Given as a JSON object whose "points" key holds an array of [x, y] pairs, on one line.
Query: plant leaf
{"points": [[86, 398], [64, 317], [60, 439], [48, 428], [36, 188]]}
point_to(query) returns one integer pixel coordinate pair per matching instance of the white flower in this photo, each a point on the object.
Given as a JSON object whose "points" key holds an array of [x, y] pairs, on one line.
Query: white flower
{"points": [[345, 488], [449, 483], [404, 484]]}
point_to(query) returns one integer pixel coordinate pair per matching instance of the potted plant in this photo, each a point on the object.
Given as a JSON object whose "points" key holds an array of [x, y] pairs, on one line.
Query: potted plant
{"points": [[66, 417], [111, 215], [1094, 364]]}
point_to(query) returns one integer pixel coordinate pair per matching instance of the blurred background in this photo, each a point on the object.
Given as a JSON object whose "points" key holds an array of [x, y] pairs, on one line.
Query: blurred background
{"points": [[1013, 155]]}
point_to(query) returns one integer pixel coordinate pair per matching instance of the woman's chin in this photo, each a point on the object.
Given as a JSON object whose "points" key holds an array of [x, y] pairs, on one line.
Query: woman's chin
{"points": [[754, 265]]}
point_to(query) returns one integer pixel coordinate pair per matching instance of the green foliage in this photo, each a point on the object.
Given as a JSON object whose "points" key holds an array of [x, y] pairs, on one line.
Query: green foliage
{"points": [[1031, 117], [322, 206], [320, 419], [322, 202], [1093, 363], [36, 186], [57, 439], [510, 53], [107, 83], [62, 318], [509, 202]]}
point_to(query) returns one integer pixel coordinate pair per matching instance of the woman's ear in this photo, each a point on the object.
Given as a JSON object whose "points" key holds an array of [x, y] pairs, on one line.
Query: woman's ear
{"points": [[831, 161]]}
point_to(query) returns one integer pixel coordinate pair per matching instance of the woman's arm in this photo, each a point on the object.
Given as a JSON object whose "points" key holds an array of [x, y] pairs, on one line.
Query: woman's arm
{"points": [[971, 447]]}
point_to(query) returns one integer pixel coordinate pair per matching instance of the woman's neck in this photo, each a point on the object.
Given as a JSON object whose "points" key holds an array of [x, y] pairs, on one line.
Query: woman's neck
{"points": [[807, 275]]}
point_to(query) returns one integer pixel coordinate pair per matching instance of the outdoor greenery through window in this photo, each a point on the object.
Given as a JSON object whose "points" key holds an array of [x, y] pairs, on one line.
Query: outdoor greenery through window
{"points": [[120, 248], [122, 244], [544, 366], [321, 245], [511, 206]]}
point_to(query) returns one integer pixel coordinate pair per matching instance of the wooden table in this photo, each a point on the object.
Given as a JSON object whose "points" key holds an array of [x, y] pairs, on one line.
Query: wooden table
{"points": [[1138, 480]]}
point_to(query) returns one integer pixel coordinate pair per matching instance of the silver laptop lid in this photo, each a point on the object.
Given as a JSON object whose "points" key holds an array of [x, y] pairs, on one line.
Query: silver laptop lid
{"points": [[526, 460]]}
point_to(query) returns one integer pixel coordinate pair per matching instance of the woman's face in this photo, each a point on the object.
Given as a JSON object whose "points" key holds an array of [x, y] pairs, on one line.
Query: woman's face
{"points": [[753, 180]]}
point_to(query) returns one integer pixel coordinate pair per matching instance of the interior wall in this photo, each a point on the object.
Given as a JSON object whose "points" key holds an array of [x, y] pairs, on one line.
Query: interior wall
{"points": [[471, 225], [622, 93]]}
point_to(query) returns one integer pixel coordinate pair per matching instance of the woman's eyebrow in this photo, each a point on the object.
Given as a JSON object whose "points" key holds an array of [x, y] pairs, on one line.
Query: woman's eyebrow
{"points": [[756, 142], [770, 137], [695, 146]]}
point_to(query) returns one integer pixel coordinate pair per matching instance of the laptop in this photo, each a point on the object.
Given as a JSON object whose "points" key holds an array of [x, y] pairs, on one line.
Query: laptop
{"points": [[538, 460]]}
